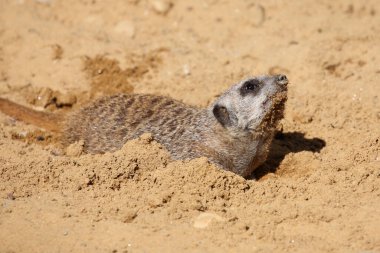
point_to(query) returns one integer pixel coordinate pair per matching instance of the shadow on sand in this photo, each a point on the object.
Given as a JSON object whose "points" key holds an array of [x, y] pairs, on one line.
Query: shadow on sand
{"points": [[283, 144]]}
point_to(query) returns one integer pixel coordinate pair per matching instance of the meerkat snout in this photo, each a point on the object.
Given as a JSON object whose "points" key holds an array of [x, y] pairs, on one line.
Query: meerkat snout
{"points": [[282, 79]]}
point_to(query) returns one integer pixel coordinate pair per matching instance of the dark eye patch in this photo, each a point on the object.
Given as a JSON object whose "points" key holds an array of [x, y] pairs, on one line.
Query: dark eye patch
{"points": [[250, 86]]}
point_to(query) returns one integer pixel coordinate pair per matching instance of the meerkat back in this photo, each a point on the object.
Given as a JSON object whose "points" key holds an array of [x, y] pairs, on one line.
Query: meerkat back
{"points": [[108, 123]]}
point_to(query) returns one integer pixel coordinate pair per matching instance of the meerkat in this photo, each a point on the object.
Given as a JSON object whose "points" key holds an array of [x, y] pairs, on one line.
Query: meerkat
{"points": [[234, 132]]}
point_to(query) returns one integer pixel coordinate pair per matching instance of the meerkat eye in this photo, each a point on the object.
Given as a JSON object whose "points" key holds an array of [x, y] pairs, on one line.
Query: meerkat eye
{"points": [[249, 86]]}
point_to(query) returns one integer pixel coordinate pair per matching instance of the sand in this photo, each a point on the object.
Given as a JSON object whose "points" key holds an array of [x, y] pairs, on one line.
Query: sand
{"points": [[319, 191]]}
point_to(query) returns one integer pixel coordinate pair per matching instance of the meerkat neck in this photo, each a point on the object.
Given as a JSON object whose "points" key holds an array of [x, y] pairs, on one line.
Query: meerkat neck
{"points": [[214, 141]]}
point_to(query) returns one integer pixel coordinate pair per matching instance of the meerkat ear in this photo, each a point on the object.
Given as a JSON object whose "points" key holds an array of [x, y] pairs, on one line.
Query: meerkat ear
{"points": [[222, 115]]}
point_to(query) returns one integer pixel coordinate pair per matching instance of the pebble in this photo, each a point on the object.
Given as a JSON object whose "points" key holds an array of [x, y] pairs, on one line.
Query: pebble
{"points": [[186, 70], [161, 7], [204, 220], [75, 149], [125, 27], [47, 96], [44, 97], [65, 99], [257, 15]]}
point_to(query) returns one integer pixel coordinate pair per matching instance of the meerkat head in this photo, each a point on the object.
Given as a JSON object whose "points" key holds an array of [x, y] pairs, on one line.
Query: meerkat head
{"points": [[253, 105]]}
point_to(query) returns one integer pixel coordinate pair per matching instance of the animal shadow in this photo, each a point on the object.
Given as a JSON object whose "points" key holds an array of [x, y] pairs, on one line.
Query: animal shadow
{"points": [[283, 144]]}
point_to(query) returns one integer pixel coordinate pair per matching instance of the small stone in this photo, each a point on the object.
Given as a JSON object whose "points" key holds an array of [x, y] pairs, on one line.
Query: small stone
{"points": [[56, 151], [161, 7], [155, 201], [146, 138], [258, 16], [66, 99], [23, 134], [186, 70], [125, 27], [44, 97], [75, 149], [205, 219]]}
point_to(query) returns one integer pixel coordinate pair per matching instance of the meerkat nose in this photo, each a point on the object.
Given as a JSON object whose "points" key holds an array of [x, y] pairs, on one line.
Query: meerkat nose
{"points": [[282, 79]]}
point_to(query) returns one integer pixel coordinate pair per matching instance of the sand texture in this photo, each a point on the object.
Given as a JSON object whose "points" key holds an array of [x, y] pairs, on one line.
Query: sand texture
{"points": [[319, 190]]}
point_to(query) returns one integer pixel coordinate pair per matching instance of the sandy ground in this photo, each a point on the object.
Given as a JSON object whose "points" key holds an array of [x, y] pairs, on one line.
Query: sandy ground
{"points": [[319, 191]]}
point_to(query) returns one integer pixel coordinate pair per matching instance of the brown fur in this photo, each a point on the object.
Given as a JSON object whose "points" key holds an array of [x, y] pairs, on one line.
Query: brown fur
{"points": [[234, 132]]}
